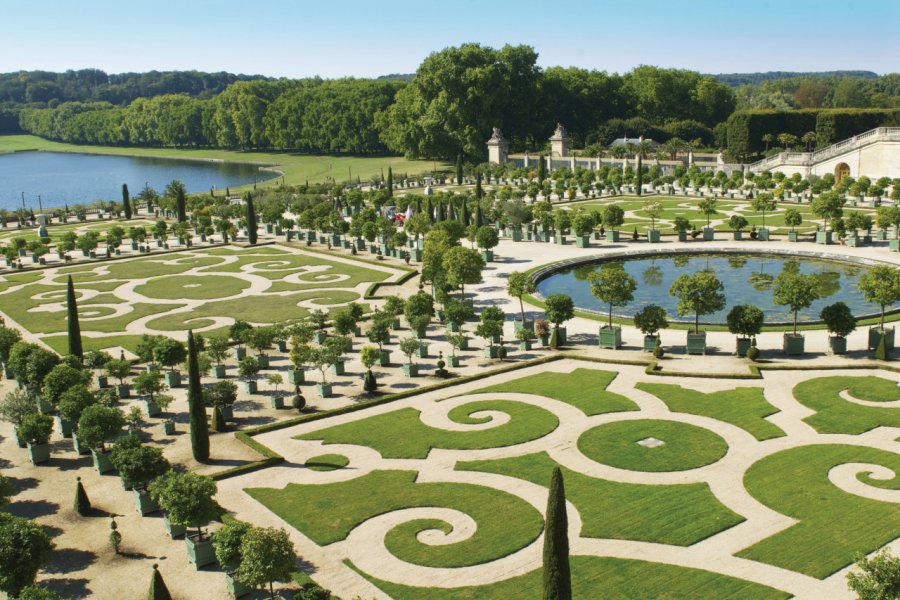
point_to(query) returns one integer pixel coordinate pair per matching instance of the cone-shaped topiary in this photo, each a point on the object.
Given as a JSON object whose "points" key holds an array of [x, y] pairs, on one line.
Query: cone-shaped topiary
{"points": [[196, 407], [557, 578], [370, 384], [390, 182], [218, 421], [459, 169], [126, 201], [75, 348], [881, 352], [554, 339], [82, 502], [158, 589], [251, 219]]}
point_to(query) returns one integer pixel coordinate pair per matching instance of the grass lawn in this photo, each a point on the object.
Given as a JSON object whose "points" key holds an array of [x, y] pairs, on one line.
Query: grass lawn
{"points": [[191, 287], [836, 415], [585, 389], [327, 462], [680, 515], [606, 578], [686, 446], [743, 407], [56, 230], [297, 168], [401, 433], [327, 513], [834, 526], [60, 343]]}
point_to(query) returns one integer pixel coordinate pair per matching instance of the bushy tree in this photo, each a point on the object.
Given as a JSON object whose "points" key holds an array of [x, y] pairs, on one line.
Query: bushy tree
{"points": [[187, 498], [876, 578], [795, 290], [24, 548], [267, 556], [612, 285], [701, 293]]}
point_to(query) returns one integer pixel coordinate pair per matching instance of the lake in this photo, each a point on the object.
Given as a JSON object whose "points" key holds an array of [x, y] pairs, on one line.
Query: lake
{"points": [[62, 178]]}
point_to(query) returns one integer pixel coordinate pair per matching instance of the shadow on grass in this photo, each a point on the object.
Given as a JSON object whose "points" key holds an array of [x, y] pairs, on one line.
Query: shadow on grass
{"points": [[69, 560], [69, 587], [32, 509]]}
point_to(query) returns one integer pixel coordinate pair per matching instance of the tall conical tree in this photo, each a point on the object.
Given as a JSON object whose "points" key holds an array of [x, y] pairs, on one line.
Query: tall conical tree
{"points": [[542, 169], [451, 213], [479, 193], [464, 212], [180, 204], [82, 502], [158, 589], [251, 219], [439, 212], [199, 427], [639, 175], [390, 182], [126, 201], [75, 348], [557, 578], [429, 207], [479, 217], [459, 170]]}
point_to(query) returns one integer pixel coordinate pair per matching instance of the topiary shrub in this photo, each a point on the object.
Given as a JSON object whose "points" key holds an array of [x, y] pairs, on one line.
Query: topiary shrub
{"points": [[753, 353]]}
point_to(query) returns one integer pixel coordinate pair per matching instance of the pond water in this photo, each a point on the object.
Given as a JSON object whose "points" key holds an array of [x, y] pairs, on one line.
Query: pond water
{"points": [[747, 279], [67, 178]]}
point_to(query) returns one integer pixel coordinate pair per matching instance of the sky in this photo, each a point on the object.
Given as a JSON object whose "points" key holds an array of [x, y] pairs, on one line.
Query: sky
{"points": [[362, 38]]}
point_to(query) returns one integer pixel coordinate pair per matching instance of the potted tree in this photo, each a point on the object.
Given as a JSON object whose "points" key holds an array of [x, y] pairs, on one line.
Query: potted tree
{"points": [[97, 426], [419, 310], [582, 225], [542, 331], [322, 358], [738, 223], [120, 369], [525, 337], [394, 306], [701, 293], [745, 321], [792, 218], [653, 209], [612, 285], [275, 379], [797, 291], [380, 333], [217, 349], [368, 356], [881, 285], [36, 429], [72, 403], [138, 466], [96, 360], [239, 332], [14, 407], [168, 423], [169, 353], [613, 217], [487, 239], [319, 320], [456, 313], [338, 346], [457, 341], [248, 369], [187, 499], [682, 226], [561, 221], [708, 207], [559, 309], [150, 383], [650, 320], [409, 346], [763, 203], [261, 339], [840, 323], [491, 328], [828, 205], [517, 285], [221, 395], [267, 556], [227, 542]]}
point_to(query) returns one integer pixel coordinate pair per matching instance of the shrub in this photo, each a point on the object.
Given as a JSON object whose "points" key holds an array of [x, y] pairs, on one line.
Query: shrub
{"points": [[99, 424], [36, 428]]}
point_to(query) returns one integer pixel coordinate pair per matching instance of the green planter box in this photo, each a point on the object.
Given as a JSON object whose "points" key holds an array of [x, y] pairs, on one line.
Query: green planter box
{"points": [[385, 359], [650, 343], [560, 239], [251, 386], [743, 344], [610, 337], [173, 379], [837, 344], [696, 342], [894, 245], [281, 345], [337, 368], [422, 352], [561, 336], [320, 336], [235, 587], [453, 361], [517, 235], [793, 345], [875, 337], [45, 407], [682, 236], [525, 345], [487, 255], [277, 401], [219, 371], [653, 236], [64, 427], [168, 427], [519, 326], [738, 235], [582, 241], [227, 412], [793, 236], [173, 530], [200, 551], [492, 352], [124, 391], [144, 503], [709, 234], [324, 389], [411, 370], [823, 237], [39, 453], [79, 449], [263, 360], [854, 241], [881, 235], [240, 353], [296, 376], [102, 382], [152, 409], [102, 462]]}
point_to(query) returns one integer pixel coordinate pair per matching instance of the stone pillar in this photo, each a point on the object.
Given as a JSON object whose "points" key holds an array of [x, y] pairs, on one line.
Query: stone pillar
{"points": [[498, 148], [559, 142], [527, 158]]}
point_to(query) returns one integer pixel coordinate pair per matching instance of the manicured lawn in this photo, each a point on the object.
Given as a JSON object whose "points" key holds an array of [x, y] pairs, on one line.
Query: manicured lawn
{"points": [[297, 168], [834, 526], [401, 433], [60, 343], [327, 462], [686, 446], [585, 389], [191, 287], [680, 515], [836, 415], [601, 578], [743, 407], [327, 513]]}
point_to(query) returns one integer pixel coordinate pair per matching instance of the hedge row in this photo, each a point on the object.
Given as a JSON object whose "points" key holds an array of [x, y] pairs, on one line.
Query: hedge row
{"points": [[746, 128]]}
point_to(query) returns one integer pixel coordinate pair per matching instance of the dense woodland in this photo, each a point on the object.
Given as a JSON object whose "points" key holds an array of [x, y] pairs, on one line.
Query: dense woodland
{"points": [[446, 109]]}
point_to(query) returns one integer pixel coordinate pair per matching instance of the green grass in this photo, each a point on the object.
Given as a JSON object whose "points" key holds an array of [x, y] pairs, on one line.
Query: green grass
{"points": [[836, 415], [327, 462], [686, 446], [606, 578], [401, 433], [743, 407], [585, 389], [680, 515], [191, 287], [60, 343], [277, 268], [142, 268], [834, 526], [9, 280], [327, 513], [55, 230], [297, 168]]}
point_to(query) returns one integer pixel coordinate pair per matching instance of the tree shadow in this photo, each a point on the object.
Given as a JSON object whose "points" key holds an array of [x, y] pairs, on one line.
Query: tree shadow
{"points": [[68, 463], [69, 560], [23, 483], [255, 420], [68, 587], [32, 509]]}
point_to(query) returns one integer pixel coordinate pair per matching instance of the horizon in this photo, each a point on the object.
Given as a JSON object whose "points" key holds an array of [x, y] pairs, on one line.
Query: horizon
{"points": [[394, 37]]}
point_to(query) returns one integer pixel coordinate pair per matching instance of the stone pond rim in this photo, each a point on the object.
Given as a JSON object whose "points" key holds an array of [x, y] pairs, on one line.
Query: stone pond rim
{"points": [[546, 271]]}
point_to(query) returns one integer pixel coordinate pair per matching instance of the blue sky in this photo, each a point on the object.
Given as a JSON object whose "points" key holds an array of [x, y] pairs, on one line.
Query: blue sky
{"points": [[368, 38]]}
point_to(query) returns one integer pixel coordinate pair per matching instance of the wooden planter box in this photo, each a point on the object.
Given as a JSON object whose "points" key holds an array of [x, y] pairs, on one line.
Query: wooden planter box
{"points": [[385, 359], [168, 427], [173, 379], [263, 360], [39, 453], [582, 241], [200, 551], [324, 389], [793, 345], [793, 236], [709, 234], [296, 376], [453, 361], [653, 236], [837, 344], [610, 337], [239, 353], [411, 370], [152, 408], [650, 343], [696, 342], [823, 237], [337, 368], [144, 503], [102, 462], [173, 530], [487, 255], [219, 371], [235, 587], [422, 352], [251, 387], [492, 352], [743, 344], [64, 427], [875, 337], [277, 402]]}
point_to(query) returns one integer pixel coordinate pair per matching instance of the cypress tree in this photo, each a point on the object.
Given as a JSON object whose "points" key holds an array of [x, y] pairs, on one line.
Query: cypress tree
{"points": [[464, 212], [542, 169], [390, 182], [479, 217], [126, 201], [218, 421], [451, 214], [199, 429], [75, 348], [158, 589], [429, 206], [180, 204], [478, 191], [557, 578], [459, 170], [251, 220], [881, 352], [82, 502], [439, 213], [640, 174]]}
